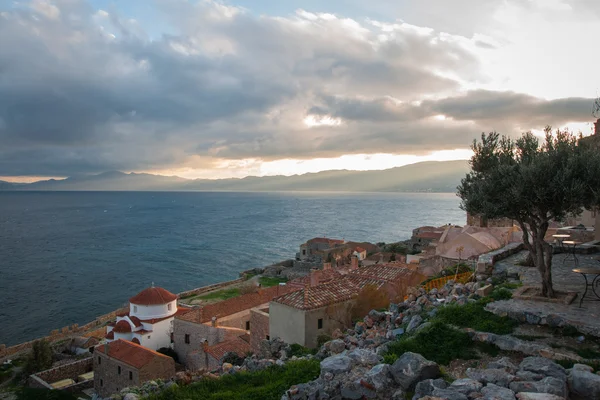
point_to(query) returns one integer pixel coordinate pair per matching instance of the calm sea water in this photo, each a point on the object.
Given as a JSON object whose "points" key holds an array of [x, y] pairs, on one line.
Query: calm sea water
{"points": [[67, 257]]}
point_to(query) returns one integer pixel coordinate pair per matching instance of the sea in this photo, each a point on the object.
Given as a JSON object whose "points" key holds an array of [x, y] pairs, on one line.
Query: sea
{"points": [[67, 257]]}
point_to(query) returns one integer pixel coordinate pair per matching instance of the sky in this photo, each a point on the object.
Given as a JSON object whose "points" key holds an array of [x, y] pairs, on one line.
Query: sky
{"points": [[219, 89]]}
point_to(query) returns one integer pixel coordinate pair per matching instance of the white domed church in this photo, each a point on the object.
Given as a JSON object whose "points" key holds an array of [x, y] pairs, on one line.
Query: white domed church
{"points": [[149, 321]]}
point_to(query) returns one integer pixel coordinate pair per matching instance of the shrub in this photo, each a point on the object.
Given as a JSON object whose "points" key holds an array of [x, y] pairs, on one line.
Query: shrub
{"points": [[473, 315], [40, 357], [300, 351], [269, 384], [167, 351], [232, 358], [501, 293], [322, 339], [438, 342], [369, 298]]}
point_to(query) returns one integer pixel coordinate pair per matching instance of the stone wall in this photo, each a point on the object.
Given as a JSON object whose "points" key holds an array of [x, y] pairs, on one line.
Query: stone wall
{"points": [[483, 222], [108, 380], [67, 371], [59, 334], [191, 354], [259, 328]]}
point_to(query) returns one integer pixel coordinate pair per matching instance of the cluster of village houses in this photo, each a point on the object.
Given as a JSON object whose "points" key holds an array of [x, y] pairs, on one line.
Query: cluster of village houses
{"points": [[298, 311]]}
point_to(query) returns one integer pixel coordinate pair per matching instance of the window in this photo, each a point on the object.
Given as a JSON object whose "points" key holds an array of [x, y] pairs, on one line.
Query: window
{"points": [[99, 360], [119, 369], [130, 375], [187, 338], [148, 336], [134, 308], [268, 338], [247, 325], [169, 306], [303, 252], [172, 337], [101, 382], [320, 323]]}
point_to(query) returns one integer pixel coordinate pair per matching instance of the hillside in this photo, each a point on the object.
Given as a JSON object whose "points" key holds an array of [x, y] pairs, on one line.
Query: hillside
{"points": [[421, 177]]}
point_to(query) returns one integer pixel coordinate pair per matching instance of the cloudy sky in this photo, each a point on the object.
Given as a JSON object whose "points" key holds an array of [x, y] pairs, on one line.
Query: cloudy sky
{"points": [[259, 87]]}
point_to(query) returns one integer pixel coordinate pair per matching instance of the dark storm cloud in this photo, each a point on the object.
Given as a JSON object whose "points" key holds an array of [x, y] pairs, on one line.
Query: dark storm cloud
{"points": [[84, 91]]}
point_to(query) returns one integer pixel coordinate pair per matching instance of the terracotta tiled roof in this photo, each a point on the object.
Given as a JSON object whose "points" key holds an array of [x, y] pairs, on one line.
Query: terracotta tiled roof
{"points": [[324, 240], [319, 296], [237, 345], [122, 327], [385, 272], [131, 353], [430, 235], [110, 335], [234, 305], [153, 296], [326, 275], [136, 321]]}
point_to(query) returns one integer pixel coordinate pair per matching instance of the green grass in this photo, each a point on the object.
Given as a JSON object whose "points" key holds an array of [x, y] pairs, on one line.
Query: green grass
{"points": [[438, 342], [267, 281], [221, 294], [473, 315], [269, 384]]}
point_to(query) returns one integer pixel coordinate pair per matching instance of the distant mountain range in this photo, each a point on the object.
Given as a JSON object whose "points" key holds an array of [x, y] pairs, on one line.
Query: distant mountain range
{"points": [[432, 176]]}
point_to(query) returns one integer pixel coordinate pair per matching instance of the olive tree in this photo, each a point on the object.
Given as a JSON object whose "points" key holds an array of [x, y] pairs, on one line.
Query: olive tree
{"points": [[533, 182]]}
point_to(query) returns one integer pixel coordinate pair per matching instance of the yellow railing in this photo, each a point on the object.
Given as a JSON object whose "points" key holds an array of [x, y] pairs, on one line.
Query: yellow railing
{"points": [[440, 282]]}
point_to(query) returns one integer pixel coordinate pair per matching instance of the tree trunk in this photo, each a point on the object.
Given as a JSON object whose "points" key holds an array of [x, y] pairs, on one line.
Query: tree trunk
{"points": [[541, 254]]}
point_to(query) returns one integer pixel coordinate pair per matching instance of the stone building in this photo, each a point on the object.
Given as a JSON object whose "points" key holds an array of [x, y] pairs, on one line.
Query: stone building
{"points": [[122, 364], [317, 247], [203, 335], [149, 320], [320, 308]]}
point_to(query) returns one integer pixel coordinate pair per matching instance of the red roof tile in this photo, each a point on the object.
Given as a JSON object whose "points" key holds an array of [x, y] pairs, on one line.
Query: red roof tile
{"points": [[110, 335], [122, 327], [321, 295], [235, 305], [131, 353], [237, 345], [430, 235], [136, 321], [385, 272], [153, 296]]}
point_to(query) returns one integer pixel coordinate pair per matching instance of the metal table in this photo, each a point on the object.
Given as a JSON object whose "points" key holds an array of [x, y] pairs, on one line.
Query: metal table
{"points": [[560, 238], [595, 281], [571, 247]]}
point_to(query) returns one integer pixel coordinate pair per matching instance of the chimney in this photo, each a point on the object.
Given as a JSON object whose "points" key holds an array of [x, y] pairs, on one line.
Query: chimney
{"points": [[354, 262], [315, 277], [326, 266], [213, 321]]}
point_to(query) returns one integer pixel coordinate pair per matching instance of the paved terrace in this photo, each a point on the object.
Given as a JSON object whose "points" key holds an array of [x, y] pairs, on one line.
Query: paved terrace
{"points": [[586, 318]]}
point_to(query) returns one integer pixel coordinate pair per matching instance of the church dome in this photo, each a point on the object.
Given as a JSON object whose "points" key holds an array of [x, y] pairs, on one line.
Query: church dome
{"points": [[153, 296]]}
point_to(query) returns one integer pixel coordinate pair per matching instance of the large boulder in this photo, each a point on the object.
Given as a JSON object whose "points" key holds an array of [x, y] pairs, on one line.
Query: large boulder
{"points": [[415, 321], [494, 392], [336, 346], [505, 364], [549, 385], [357, 390], [426, 387], [466, 385], [364, 357], [337, 364], [584, 383], [496, 376], [449, 394], [543, 366], [538, 396], [411, 368], [380, 377]]}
